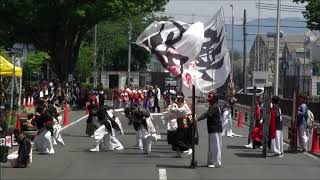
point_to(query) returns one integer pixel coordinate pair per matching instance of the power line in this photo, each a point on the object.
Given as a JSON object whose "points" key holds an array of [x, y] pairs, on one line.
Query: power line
{"points": [[285, 6], [221, 0], [252, 25], [285, 10], [195, 15], [251, 40], [226, 17], [288, 8], [284, 20]]}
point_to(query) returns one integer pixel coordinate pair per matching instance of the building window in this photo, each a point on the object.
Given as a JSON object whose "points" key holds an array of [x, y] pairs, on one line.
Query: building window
{"points": [[318, 88], [260, 81]]}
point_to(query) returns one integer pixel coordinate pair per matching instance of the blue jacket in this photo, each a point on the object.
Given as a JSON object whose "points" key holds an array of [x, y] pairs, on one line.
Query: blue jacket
{"points": [[302, 115]]}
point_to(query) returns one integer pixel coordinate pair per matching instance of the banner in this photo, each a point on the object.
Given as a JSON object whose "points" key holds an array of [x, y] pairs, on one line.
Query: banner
{"points": [[211, 68], [173, 43], [195, 53]]}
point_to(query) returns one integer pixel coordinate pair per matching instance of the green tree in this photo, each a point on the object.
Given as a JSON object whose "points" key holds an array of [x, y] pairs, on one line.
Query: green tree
{"points": [[84, 65], [59, 26], [34, 65], [312, 13], [113, 44]]}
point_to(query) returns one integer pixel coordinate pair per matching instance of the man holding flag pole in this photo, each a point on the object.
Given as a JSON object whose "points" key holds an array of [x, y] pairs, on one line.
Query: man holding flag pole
{"points": [[198, 48]]}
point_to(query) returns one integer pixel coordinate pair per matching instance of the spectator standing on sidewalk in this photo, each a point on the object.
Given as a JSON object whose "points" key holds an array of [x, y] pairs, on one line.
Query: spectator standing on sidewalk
{"points": [[302, 124], [156, 97], [276, 125], [116, 97], [214, 130]]}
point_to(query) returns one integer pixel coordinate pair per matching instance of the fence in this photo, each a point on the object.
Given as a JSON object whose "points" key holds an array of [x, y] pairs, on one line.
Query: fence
{"points": [[285, 104]]}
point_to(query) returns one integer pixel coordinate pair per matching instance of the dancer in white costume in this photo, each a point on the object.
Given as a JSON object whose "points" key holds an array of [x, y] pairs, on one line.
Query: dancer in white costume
{"points": [[43, 141], [105, 135], [170, 118], [227, 122], [142, 123], [183, 137], [44, 123], [56, 125], [57, 138]]}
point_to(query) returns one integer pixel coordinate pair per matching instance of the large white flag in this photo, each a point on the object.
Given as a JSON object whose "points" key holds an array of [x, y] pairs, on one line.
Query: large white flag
{"points": [[173, 43], [211, 68], [196, 53]]}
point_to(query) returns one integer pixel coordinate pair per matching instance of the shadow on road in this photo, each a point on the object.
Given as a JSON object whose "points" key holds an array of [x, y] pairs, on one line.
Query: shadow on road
{"points": [[172, 166], [236, 147], [2, 166], [249, 155], [73, 135]]}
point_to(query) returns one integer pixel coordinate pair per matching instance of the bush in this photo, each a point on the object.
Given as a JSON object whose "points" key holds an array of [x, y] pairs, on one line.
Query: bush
{"points": [[86, 86]]}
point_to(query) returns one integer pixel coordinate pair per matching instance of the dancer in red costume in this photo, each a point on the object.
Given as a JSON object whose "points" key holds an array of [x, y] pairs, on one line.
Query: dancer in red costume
{"points": [[257, 134]]}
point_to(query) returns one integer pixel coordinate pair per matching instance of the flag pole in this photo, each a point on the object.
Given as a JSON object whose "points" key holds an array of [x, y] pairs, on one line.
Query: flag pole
{"points": [[193, 163]]}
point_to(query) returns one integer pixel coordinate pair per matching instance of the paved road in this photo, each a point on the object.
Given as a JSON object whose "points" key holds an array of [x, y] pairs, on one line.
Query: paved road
{"points": [[74, 161]]}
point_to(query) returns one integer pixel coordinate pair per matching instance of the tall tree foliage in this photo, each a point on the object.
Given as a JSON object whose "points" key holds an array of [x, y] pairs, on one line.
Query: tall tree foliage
{"points": [[312, 13], [113, 44], [58, 26], [35, 65]]}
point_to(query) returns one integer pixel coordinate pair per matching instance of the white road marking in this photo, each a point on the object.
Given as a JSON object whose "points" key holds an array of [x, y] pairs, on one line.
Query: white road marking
{"points": [[312, 156], [156, 114], [65, 127], [162, 174]]}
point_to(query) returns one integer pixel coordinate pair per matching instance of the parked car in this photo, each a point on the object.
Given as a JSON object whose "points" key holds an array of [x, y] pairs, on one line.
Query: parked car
{"points": [[259, 91]]}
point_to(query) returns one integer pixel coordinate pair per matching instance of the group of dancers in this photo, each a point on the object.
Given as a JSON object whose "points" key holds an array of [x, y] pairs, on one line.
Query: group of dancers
{"points": [[148, 98], [46, 122], [105, 127]]}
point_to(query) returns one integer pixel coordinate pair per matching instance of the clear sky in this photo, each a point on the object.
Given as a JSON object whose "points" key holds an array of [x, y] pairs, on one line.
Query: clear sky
{"points": [[182, 10]]}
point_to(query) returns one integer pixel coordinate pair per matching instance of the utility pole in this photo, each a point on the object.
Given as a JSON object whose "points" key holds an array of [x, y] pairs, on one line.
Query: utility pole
{"points": [[129, 51], [13, 81], [95, 82], [244, 79], [276, 81], [258, 62], [232, 41]]}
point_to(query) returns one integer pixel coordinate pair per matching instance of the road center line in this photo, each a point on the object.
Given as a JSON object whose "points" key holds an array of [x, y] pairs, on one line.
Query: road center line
{"points": [[162, 174]]}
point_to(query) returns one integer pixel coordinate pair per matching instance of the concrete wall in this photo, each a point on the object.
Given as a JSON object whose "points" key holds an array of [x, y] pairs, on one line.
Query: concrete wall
{"points": [[122, 77], [315, 80]]}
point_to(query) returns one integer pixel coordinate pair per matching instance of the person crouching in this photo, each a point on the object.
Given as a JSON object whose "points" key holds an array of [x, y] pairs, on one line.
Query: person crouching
{"points": [[214, 130], [105, 135], [43, 141], [23, 157], [142, 123]]}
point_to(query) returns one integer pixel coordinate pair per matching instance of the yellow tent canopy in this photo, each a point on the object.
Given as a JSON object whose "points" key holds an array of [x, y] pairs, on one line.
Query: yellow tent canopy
{"points": [[6, 68]]}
